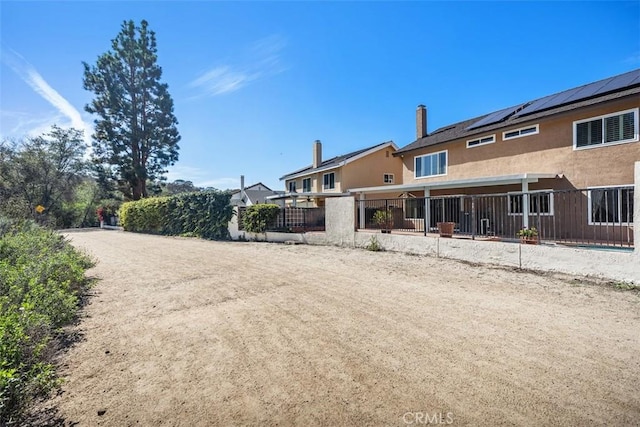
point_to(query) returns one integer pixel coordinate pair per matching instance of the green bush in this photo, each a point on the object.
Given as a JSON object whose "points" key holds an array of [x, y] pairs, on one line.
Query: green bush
{"points": [[258, 217], [384, 218], [41, 280], [149, 215], [203, 214]]}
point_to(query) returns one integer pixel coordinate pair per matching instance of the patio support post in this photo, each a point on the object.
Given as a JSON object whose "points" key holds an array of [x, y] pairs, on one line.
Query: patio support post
{"points": [[525, 204], [473, 217], [427, 210], [361, 218], [284, 218], [636, 211]]}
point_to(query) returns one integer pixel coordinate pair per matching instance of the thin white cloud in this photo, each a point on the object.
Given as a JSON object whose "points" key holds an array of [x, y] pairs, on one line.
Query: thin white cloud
{"points": [[31, 77], [263, 59], [222, 80], [18, 123]]}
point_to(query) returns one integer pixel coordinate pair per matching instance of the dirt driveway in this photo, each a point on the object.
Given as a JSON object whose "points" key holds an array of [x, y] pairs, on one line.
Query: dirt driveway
{"points": [[189, 332]]}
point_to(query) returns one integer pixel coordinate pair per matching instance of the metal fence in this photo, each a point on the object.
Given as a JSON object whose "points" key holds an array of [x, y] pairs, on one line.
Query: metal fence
{"points": [[295, 220], [594, 217], [292, 220]]}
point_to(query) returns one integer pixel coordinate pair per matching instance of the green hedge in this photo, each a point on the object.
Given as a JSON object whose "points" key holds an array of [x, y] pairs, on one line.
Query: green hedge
{"points": [[258, 217], [41, 280], [204, 214], [149, 215]]}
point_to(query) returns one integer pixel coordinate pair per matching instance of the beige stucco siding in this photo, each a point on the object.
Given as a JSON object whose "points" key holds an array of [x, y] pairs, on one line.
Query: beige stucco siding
{"points": [[316, 181], [549, 151], [369, 170]]}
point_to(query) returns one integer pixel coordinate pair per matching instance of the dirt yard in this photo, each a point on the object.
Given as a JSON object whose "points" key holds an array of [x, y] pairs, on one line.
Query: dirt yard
{"points": [[197, 333]]}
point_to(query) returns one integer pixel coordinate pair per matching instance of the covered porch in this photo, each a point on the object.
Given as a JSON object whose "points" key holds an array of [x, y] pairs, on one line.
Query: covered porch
{"points": [[429, 215], [498, 208]]}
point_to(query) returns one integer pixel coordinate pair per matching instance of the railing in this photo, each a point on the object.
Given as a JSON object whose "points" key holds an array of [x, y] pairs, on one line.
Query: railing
{"points": [[593, 217], [295, 220]]}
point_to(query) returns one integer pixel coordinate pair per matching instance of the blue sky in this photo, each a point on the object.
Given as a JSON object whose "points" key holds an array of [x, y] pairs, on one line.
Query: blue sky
{"points": [[255, 83]]}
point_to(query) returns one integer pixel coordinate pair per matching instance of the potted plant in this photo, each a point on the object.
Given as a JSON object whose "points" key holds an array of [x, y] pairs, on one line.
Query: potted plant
{"points": [[528, 236], [446, 229], [384, 219]]}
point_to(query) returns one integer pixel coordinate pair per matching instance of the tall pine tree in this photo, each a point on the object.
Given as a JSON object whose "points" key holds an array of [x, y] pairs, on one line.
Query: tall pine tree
{"points": [[136, 130]]}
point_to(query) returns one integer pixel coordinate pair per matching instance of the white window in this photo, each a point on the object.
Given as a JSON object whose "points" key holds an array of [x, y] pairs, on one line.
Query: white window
{"points": [[519, 133], [612, 205], [306, 185], [329, 181], [540, 203], [292, 186], [431, 165], [616, 128], [387, 178], [490, 139]]}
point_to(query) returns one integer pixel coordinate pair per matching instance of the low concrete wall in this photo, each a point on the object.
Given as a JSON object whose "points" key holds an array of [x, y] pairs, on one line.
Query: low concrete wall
{"points": [[312, 238], [613, 265], [418, 245], [340, 231], [608, 264]]}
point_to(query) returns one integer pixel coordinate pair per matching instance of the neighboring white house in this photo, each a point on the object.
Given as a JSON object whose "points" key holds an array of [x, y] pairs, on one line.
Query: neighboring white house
{"points": [[253, 194]]}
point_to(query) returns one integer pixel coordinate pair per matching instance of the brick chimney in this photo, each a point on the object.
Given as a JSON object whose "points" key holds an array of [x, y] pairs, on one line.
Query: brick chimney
{"points": [[421, 121], [317, 153]]}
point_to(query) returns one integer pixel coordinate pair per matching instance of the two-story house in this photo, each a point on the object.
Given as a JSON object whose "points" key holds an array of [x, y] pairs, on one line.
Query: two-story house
{"points": [[370, 166], [585, 138]]}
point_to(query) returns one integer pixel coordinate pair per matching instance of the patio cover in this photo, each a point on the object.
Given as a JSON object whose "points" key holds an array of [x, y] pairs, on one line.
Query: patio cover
{"points": [[525, 178]]}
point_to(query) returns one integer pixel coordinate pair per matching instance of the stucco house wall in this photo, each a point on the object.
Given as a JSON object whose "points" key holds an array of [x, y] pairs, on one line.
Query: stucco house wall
{"points": [[549, 151]]}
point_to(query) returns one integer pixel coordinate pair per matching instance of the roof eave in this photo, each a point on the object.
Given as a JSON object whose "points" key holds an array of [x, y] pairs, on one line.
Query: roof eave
{"points": [[342, 163], [459, 183]]}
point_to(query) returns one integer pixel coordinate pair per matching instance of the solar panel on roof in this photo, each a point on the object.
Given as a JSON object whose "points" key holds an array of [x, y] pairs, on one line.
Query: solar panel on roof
{"points": [[628, 79], [496, 117], [583, 92]]}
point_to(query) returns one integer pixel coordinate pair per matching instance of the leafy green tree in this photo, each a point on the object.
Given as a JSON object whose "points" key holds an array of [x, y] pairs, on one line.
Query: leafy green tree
{"points": [[179, 186], [41, 172], [136, 130]]}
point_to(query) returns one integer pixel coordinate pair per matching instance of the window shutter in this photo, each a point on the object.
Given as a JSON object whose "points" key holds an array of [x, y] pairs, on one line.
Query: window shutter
{"points": [[595, 135], [612, 129], [582, 134], [628, 125]]}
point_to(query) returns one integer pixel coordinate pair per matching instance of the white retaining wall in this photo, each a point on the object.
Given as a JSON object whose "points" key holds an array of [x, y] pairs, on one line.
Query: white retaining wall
{"points": [[340, 231]]}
